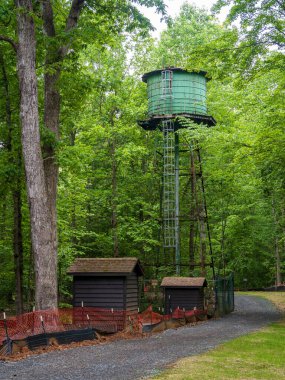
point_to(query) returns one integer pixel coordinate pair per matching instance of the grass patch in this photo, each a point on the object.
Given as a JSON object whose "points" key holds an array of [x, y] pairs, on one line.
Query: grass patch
{"points": [[259, 355]]}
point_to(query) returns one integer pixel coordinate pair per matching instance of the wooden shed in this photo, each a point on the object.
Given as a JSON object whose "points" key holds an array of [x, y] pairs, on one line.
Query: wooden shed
{"points": [[183, 292], [106, 283]]}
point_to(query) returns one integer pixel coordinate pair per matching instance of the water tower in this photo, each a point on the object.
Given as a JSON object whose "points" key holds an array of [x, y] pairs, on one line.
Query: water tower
{"points": [[174, 93]]}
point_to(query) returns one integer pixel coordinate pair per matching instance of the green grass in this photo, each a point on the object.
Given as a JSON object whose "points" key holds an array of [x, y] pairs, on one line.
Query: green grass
{"points": [[259, 355]]}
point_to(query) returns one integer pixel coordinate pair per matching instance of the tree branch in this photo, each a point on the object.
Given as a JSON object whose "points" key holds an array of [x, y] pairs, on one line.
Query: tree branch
{"points": [[47, 14], [74, 13], [10, 41], [71, 22]]}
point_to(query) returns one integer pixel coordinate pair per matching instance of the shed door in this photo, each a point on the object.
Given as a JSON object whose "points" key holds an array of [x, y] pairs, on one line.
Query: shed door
{"points": [[102, 292]]}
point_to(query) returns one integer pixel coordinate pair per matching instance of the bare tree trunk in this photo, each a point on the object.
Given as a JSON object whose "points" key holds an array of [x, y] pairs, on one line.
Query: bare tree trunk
{"points": [[51, 117], [40, 215], [18, 250]]}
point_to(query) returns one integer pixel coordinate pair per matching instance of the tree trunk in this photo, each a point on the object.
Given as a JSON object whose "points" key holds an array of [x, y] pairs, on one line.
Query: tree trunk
{"points": [[18, 250], [112, 145], [40, 215], [51, 116]]}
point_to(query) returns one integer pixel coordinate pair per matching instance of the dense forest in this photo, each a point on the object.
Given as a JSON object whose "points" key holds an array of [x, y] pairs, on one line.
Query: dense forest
{"points": [[80, 177]]}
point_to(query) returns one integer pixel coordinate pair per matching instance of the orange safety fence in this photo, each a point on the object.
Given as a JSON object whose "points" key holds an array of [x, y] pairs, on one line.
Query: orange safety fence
{"points": [[150, 317], [181, 313], [102, 320], [38, 322]]}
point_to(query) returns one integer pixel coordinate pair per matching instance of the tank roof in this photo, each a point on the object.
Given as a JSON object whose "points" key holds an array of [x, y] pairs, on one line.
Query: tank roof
{"points": [[177, 69]]}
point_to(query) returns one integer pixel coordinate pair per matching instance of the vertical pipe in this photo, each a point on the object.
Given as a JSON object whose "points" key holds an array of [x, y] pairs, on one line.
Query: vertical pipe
{"points": [[177, 240]]}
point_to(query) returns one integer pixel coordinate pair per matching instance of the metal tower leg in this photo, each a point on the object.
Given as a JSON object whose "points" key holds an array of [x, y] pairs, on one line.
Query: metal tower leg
{"points": [[170, 198]]}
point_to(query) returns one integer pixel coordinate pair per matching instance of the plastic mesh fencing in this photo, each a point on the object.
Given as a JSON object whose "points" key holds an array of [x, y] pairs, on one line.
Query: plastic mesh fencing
{"points": [[47, 321], [101, 320], [151, 317]]}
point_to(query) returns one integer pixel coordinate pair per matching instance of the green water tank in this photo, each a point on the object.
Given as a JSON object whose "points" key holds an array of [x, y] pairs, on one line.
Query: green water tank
{"points": [[175, 91]]}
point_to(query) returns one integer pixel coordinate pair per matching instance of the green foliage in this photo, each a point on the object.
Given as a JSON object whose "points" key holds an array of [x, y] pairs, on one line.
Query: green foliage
{"points": [[261, 22], [261, 32]]}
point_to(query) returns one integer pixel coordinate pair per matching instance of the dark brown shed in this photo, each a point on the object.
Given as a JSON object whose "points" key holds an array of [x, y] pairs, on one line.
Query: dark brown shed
{"points": [[106, 283], [183, 292]]}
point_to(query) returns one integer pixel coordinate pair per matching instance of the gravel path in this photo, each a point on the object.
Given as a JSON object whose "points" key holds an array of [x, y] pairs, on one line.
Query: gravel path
{"points": [[140, 358]]}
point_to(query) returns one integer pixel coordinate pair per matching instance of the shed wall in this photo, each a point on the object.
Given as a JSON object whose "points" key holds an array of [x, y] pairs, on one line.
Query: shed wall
{"points": [[187, 298], [102, 292], [132, 292]]}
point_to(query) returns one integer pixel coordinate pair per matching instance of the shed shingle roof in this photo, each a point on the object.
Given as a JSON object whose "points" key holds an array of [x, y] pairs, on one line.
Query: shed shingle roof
{"points": [[181, 282], [106, 265]]}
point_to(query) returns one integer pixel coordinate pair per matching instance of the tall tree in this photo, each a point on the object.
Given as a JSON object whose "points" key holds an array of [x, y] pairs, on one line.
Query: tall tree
{"points": [[40, 213]]}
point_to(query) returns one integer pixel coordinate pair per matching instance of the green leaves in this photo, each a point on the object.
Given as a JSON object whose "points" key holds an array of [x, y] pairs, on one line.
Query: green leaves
{"points": [[262, 26]]}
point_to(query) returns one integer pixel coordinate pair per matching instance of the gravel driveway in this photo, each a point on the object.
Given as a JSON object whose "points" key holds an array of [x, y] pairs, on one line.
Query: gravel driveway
{"points": [[140, 358]]}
